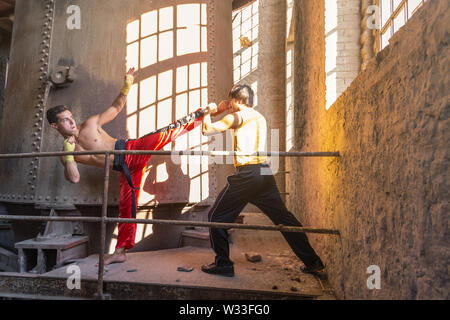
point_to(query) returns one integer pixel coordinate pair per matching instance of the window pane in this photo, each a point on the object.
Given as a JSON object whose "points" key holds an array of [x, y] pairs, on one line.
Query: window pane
{"points": [[147, 119], [149, 23], [413, 5], [188, 15], [385, 11], [148, 51], [165, 19], [147, 91], [399, 21], [204, 74], [204, 39], [133, 31], [164, 113], [331, 15], [181, 108], [182, 75], [188, 40], [396, 4], [165, 85], [165, 45], [133, 55], [194, 76], [385, 38], [204, 15]]}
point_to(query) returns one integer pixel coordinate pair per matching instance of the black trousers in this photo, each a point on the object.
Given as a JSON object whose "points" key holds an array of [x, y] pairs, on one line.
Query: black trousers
{"points": [[254, 184]]}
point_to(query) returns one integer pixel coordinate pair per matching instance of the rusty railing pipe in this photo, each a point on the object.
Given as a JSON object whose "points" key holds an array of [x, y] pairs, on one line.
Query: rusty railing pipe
{"points": [[169, 153], [101, 256], [104, 219], [221, 225]]}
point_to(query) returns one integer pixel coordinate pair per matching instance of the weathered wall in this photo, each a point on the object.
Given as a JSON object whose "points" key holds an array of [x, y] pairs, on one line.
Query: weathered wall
{"points": [[388, 192]]}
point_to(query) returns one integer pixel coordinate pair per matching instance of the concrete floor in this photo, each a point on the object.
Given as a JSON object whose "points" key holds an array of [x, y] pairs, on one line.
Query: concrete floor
{"points": [[278, 271], [275, 272]]}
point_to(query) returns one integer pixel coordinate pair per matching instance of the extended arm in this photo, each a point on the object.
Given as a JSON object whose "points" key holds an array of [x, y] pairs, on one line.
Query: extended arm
{"points": [[230, 121], [118, 104]]}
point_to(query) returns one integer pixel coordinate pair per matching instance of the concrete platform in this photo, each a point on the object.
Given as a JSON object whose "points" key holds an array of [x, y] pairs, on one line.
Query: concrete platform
{"points": [[154, 275], [276, 274]]}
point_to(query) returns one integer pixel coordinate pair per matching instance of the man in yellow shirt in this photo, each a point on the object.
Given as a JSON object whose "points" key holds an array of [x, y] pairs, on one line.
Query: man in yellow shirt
{"points": [[253, 183]]}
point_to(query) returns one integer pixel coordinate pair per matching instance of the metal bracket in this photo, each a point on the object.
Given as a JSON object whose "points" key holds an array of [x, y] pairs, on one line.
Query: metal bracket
{"points": [[62, 76]]}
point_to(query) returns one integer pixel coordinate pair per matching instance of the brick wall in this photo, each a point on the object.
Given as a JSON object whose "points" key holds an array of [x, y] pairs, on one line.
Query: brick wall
{"points": [[388, 192], [342, 44]]}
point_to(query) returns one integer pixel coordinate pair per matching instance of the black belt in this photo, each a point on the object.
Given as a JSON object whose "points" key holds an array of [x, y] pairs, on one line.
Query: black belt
{"points": [[120, 165], [252, 166]]}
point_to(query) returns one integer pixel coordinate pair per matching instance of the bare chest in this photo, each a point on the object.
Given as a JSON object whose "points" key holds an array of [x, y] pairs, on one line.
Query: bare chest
{"points": [[93, 139]]}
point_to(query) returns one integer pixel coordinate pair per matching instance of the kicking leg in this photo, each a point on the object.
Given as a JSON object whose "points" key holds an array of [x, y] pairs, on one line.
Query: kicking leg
{"points": [[127, 231]]}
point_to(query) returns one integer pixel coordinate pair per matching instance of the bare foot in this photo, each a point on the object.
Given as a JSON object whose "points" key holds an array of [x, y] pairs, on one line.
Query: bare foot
{"points": [[117, 257]]}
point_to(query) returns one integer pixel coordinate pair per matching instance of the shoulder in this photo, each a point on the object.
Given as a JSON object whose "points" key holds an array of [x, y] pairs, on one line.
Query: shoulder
{"points": [[90, 123], [232, 118], [258, 115]]}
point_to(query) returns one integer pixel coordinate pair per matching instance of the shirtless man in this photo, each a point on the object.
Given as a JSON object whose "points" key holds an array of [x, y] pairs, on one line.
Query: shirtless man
{"points": [[90, 136]]}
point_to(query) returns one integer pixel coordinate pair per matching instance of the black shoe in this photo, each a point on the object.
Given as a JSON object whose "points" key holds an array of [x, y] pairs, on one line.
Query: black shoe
{"points": [[226, 271], [317, 268]]}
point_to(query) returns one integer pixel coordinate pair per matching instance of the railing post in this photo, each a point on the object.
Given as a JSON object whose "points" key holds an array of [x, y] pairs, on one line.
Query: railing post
{"points": [[101, 256]]}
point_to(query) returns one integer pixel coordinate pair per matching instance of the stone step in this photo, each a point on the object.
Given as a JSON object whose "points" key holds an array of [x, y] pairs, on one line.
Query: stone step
{"points": [[197, 237], [8, 261]]}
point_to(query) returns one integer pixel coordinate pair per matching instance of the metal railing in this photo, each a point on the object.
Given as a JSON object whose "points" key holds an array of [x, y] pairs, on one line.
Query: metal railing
{"points": [[104, 219]]}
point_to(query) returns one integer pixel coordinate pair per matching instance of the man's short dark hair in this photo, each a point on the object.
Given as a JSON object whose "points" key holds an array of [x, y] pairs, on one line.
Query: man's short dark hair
{"points": [[52, 113], [243, 94]]}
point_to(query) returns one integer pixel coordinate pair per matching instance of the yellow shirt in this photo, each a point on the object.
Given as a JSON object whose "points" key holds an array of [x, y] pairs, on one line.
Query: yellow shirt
{"points": [[250, 137]]}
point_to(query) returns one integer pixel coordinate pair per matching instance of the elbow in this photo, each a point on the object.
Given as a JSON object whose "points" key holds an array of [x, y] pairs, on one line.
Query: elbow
{"points": [[74, 180], [206, 133]]}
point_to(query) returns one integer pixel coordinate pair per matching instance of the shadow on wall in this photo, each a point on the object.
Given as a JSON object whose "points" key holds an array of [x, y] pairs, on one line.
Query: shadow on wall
{"points": [[167, 44], [164, 180]]}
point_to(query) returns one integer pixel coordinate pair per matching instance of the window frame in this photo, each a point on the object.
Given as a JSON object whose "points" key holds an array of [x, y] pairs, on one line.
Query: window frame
{"points": [[394, 13]]}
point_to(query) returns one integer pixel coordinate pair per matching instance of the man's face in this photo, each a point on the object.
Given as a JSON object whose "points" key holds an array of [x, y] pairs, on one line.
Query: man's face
{"points": [[234, 106], [66, 124]]}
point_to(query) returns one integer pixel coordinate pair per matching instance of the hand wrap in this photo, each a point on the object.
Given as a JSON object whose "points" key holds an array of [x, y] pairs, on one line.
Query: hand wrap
{"points": [[69, 147], [127, 85]]}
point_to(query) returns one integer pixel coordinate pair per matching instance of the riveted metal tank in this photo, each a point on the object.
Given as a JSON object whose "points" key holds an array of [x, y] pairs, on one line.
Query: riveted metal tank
{"points": [[183, 54]]}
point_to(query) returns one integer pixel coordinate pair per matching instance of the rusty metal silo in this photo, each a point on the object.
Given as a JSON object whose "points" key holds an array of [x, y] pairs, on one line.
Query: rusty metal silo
{"points": [[182, 50]]}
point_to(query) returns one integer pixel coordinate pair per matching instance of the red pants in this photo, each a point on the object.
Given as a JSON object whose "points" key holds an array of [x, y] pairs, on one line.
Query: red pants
{"points": [[137, 165]]}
